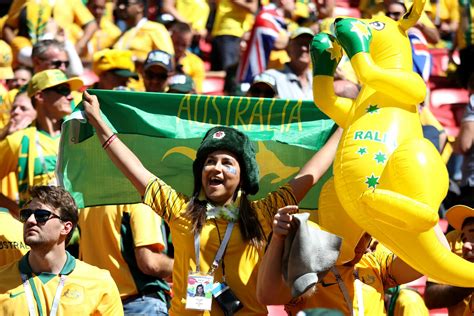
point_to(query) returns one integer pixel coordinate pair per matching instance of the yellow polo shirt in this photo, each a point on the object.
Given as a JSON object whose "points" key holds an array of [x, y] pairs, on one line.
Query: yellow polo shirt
{"points": [[104, 37], [122, 229], [87, 290], [195, 12], [145, 37], [12, 246], [241, 259]]}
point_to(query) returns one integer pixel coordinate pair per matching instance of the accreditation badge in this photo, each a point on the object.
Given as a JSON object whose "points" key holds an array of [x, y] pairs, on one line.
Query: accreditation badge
{"points": [[199, 291]]}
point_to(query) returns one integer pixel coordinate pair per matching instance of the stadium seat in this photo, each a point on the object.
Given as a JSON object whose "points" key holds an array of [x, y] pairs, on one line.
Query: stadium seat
{"points": [[213, 85], [447, 105]]}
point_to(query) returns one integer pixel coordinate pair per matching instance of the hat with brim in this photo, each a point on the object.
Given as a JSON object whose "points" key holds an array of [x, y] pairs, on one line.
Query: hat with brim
{"points": [[181, 84], [457, 214], [301, 31], [51, 78], [125, 73], [264, 79], [6, 57], [159, 58]]}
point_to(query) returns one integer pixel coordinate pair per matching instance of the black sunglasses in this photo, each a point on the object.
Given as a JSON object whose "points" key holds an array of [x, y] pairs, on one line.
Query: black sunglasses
{"points": [[62, 90], [156, 75], [41, 216], [58, 63]]}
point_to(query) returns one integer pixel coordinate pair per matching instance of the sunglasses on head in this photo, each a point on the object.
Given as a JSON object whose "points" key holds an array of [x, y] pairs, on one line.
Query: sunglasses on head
{"points": [[41, 216], [58, 63], [62, 90]]}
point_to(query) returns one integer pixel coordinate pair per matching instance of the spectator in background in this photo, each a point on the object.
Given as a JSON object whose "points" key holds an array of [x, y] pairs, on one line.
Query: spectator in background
{"points": [[464, 43], [295, 80], [22, 115], [107, 32], [157, 69], [461, 240], [31, 21], [263, 86], [180, 83], [141, 36], [464, 145], [6, 73], [50, 91], [233, 18], [114, 68], [21, 76], [185, 61], [48, 280], [53, 54]]}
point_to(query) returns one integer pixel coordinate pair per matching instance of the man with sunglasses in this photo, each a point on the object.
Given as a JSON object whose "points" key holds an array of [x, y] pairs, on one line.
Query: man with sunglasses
{"points": [[156, 71], [48, 280], [32, 152]]}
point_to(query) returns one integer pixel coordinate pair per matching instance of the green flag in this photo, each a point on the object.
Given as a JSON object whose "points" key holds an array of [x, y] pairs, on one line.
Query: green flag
{"points": [[165, 130]]}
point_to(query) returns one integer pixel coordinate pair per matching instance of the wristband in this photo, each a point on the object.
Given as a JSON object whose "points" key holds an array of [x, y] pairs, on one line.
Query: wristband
{"points": [[109, 141]]}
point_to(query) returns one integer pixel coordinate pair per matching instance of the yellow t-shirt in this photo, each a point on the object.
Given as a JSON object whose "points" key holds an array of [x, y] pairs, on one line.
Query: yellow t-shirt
{"points": [[71, 15], [12, 246], [231, 19], [195, 12], [374, 270], [241, 260], [145, 37], [122, 228], [19, 152], [103, 38], [448, 10], [193, 66], [87, 290]]}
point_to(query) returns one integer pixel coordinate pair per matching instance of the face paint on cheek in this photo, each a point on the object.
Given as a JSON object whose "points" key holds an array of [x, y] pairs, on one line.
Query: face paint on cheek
{"points": [[231, 169]]}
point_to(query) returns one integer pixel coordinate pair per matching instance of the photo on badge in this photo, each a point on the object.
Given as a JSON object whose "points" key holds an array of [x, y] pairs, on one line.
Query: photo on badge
{"points": [[199, 291]]}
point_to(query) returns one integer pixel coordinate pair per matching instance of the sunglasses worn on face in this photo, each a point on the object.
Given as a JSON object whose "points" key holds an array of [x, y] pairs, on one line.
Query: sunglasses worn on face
{"points": [[58, 63], [41, 216], [394, 14], [62, 90], [156, 75]]}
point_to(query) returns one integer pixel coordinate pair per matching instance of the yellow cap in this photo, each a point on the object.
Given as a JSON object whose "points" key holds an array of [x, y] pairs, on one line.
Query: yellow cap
{"points": [[457, 214], [50, 78], [6, 71], [114, 59]]}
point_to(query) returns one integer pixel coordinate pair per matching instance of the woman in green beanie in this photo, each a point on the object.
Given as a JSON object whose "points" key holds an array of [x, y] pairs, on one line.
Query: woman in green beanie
{"points": [[219, 235]]}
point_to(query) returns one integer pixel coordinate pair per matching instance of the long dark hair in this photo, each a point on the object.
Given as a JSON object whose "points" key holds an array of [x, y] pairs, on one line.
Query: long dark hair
{"points": [[249, 225]]}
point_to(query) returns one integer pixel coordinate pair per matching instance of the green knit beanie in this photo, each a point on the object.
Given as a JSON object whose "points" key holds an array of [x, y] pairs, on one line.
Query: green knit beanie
{"points": [[230, 139]]}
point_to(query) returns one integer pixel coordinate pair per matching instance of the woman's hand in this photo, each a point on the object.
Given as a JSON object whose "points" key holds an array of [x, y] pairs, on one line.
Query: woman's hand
{"points": [[92, 109], [282, 221]]}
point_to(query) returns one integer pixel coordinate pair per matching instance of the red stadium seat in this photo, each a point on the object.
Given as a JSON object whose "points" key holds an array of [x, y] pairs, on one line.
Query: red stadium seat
{"points": [[213, 85], [447, 105]]}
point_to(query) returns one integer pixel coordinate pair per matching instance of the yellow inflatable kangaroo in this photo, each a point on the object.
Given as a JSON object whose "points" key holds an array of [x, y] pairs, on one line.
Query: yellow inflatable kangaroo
{"points": [[388, 178]]}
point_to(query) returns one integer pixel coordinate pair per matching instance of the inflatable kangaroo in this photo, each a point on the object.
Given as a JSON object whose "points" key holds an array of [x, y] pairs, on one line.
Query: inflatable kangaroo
{"points": [[387, 177]]}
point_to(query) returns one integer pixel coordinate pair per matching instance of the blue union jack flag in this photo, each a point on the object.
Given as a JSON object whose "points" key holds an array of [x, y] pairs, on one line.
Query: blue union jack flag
{"points": [[268, 24]]}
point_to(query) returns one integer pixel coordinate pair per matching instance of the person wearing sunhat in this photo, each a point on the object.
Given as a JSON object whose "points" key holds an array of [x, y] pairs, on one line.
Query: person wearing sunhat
{"points": [[226, 174], [114, 68], [461, 240], [263, 86], [157, 69], [32, 152]]}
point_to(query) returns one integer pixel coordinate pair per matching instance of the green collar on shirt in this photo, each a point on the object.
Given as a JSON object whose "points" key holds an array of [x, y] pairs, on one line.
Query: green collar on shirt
{"points": [[25, 268]]}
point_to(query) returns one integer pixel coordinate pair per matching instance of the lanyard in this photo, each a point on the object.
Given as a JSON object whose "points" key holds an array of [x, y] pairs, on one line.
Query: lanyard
{"points": [[220, 251], [345, 292], [29, 296]]}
